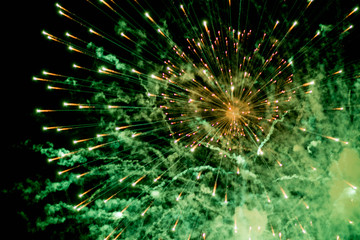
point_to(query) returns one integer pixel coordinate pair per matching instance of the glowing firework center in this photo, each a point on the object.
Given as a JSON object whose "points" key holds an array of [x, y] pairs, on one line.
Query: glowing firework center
{"points": [[225, 91]]}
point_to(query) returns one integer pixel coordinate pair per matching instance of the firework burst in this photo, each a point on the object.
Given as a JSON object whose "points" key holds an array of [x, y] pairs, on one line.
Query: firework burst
{"points": [[203, 120]]}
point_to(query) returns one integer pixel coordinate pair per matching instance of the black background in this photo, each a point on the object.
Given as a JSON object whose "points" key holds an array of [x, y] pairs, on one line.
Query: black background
{"points": [[27, 52]]}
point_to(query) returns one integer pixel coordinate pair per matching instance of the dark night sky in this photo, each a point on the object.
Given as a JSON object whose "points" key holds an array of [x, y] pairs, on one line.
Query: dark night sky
{"points": [[25, 58]]}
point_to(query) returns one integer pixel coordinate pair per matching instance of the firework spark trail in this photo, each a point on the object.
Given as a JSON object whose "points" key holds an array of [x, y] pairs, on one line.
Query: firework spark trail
{"points": [[186, 105]]}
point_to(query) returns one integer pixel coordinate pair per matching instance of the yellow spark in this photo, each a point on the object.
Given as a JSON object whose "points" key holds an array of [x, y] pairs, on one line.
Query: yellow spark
{"points": [[340, 71], [41, 79], [350, 27], [106, 200], [277, 22], [150, 18], [125, 36], [71, 48], [182, 8], [56, 88], [307, 206], [122, 179], [120, 128], [135, 71], [62, 156], [282, 190], [156, 179], [317, 34], [71, 104], [87, 191], [309, 83], [352, 186], [52, 74], [67, 170], [292, 26], [161, 32], [205, 25], [97, 146], [354, 10], [74, 37], [108, 236], [174, 227], [310, 1], [302, 229], [106, 4], [122, 211], [178, 197], [81, 175], [272, 230], [143, 213], [155, 77], [137, 181], [78, 205], [96, 33], [214, 189], [119, 234]]}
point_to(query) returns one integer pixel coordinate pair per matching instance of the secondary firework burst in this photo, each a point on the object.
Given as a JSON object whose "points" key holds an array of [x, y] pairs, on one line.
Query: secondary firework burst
{"points": [[194, 123]]}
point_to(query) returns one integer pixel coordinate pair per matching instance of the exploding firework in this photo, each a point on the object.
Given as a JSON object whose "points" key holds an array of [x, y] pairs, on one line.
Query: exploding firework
{"points": [[208, 119]]}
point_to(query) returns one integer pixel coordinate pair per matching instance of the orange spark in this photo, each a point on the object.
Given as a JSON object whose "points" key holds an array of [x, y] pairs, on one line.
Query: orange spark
{"points": [[137, 181]]}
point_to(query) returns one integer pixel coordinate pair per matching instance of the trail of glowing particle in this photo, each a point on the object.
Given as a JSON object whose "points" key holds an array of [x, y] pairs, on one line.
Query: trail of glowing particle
{"points": [[102, 145], [137, 181], [64, 128], [352, 186], [174, 227], [143, 213], [282, 190], [119, 233], [347, 29], [328, 137], [259, 151], [309, 3], [121, 180], [82, 174], [353, 11], [85, 24], [88, 139], [78, 205], [111, 233], [42, 79], [86, 192], [74, 37], [62, 156], [108, 5]]}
